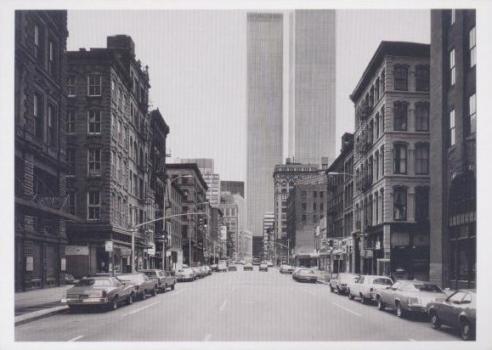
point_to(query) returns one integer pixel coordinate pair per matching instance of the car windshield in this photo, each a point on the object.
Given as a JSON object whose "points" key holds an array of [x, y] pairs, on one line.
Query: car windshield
{"points": [[427, 287], [150, 273], [306, 271], [94, 282], [383, 281], [132, 278]]}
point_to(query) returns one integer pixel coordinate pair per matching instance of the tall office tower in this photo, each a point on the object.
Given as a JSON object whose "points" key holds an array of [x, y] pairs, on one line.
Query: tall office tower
{"points": [[264, 126], [312, 120]]}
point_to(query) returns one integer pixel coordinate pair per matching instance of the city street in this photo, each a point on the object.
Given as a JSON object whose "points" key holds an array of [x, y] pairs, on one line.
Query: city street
{"points": [[236, 306]]}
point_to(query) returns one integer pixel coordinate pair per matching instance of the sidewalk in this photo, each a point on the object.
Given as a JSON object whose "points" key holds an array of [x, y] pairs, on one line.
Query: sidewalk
{"points": [[38, 303]]}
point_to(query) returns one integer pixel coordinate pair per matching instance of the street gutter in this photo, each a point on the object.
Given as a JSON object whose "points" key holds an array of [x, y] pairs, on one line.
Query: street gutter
{"points": [[36, 315]]}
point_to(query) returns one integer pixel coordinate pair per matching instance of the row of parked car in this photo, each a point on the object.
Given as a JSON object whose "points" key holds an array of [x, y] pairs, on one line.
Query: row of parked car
{"points": [[186, 273], [112, 290], [456, 309]]}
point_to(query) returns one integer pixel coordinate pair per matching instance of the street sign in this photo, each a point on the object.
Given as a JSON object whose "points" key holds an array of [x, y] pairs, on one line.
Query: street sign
{"points": [[108, 246]]}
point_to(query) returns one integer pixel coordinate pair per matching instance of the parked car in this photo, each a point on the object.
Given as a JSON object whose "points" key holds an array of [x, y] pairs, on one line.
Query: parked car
{"points": [[305, 275], [248, 267], [143, 284], [232, 267], [164, 279], [286, 268], [105, 291], [214, 267], [242, 262], [407, 297], [208, 270], [341, 283], [263, 267], [366, 287], [198, 271], [256, 261], [69, 279], [222, 266], [270, 263], [185, 274], [457, 311]]}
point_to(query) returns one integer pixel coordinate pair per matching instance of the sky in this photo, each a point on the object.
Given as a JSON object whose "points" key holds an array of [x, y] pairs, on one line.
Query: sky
{"points": [[197, 67]]}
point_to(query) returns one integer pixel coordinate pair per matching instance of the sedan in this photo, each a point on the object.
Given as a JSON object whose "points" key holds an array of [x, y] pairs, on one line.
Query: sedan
{"points": [[305, 275], [143, 284], [286, 269], [164, 279], [341, 283], [263, 267], [186, 274], [408, 297], [367, 286], [232, 267], [457, 311], [248, 267], [105, 291]]}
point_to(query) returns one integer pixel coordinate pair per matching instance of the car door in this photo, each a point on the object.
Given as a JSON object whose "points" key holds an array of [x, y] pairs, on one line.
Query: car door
{"points": [[450, 308]]}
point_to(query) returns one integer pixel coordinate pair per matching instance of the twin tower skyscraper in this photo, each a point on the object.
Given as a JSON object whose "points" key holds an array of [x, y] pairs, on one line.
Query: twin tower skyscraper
{"points": [[290, 76]]}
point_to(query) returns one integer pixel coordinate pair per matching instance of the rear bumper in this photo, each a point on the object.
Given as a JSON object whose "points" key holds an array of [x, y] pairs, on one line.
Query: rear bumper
{"points": [[417, 309]]}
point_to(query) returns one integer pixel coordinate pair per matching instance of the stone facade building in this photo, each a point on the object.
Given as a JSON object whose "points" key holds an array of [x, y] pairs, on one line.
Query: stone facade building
{"points": [[453, 127], [391, 161], [230, 210], [174, 209], [40, 144], [108, 140]]}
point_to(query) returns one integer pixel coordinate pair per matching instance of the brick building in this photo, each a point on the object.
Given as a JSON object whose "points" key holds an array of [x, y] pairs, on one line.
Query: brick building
{"points": [[230, 210], [339, 215], [453, 127], [306, 205], [391, 161], [40, 144], [189, 180], [108, 140]]}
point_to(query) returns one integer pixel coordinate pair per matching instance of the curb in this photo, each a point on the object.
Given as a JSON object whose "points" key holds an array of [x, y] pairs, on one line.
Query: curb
{"points": [[36, 315]]}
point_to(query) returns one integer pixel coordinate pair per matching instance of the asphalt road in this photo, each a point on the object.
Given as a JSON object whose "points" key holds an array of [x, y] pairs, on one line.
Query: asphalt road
{"points": [[236, 306]]}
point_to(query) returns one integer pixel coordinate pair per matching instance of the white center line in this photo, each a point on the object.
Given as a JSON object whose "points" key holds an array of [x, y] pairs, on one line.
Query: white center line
{"points": [[348, 310], [140, 309], [207, 337], [222, 307], [76, 338]]}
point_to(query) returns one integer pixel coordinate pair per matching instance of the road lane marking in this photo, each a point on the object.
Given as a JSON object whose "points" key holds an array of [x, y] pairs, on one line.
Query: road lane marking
{"points": [[140, 309], [348, 310], [207, 337], [76, 338], [222, 307]]}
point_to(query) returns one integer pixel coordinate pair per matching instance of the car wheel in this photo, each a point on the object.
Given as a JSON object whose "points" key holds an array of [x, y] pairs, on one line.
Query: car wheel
{"points": [[130, 299], [350, 296], [362, 299], [399, 310], [164, 289], [172, 287], [466, 331], [114, 303], [154, 291], [435, 321], [332, 290], [144, 295], [381, 306], [338, 291]]}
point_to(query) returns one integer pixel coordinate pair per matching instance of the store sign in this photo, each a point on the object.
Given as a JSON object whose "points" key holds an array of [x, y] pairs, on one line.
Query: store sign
{"points": [[76, 250], [108, 246]]}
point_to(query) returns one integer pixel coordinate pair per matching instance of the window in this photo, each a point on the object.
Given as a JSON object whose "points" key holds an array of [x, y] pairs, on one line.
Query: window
{"points": [[422, 78], [304, 206], [94, 85], [383, 81], [314, 206], [400, 116], [321, 207], [71, 202], [93, 205], [321, 194], [51, 58], [381, 123], [376, 90], [94, 160], [399, 203], [452, 67], [52, 129], [453, 16], [452, 128], [381, 154], [38, 116], [472, 37], [113, 163], [472, 106], [376, 165], [421, 204], [315, 194], [70, 161], [401, 77], [422, 158], [304, 218], [36, 42], [400, 158], [422, 116], [71, 86], [376, 127], [94, 122]]}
